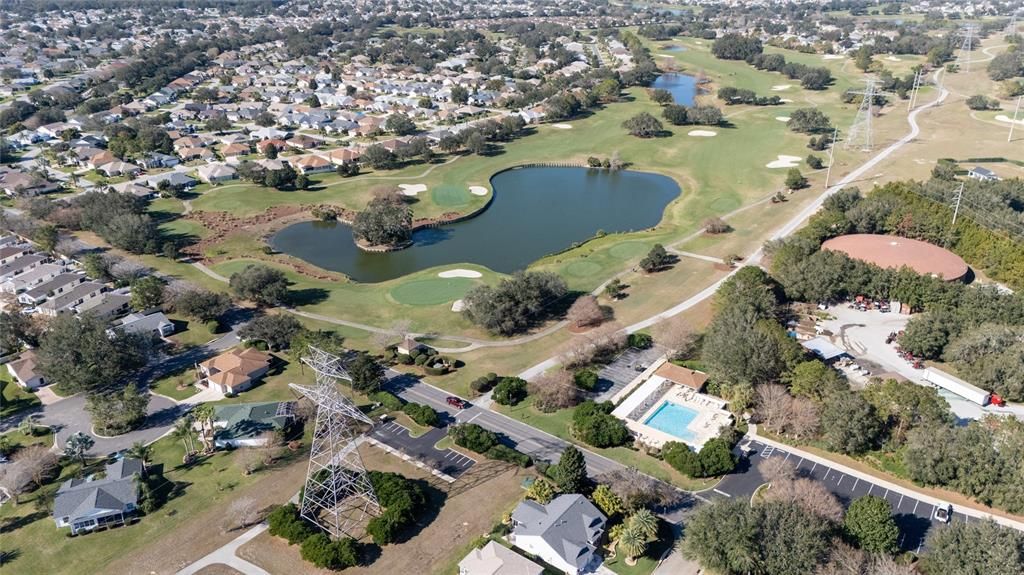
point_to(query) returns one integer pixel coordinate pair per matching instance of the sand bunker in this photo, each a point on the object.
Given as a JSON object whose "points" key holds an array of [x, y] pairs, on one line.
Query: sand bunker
{"points": [[562, 126], [666, 56], [461, 273], [782, 118], [412, 189], [458, 305], [784, 162], [1008, 120], [892, 59], [786, 100], [781, 87], [832, 57], [478, 190], [702, 133]]}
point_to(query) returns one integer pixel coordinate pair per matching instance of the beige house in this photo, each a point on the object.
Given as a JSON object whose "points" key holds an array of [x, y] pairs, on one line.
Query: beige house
{"points": [[24, 371], [495, 559], [233, 371]]}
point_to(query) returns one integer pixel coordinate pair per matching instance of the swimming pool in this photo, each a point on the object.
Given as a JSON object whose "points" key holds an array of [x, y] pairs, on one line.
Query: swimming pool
{"points": [[673, 419]]}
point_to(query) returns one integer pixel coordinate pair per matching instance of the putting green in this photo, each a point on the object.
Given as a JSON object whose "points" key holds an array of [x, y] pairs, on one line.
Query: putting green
{"points": [[628, 250], [582, 269], [431, 291], [449, 195], [725, 204]]}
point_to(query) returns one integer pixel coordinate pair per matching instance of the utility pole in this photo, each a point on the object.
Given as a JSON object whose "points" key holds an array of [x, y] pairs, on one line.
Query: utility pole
{"points": [[956, 209], [913, 91], [1013, 121], [964, 61], [831, 156]]}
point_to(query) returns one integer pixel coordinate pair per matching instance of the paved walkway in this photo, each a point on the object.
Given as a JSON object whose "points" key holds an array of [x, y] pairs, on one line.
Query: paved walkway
{"points": [[962, 509], [226, 555]]}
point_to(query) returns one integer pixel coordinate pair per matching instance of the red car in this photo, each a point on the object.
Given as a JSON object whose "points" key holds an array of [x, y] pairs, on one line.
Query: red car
{"points": [[456, 402]]}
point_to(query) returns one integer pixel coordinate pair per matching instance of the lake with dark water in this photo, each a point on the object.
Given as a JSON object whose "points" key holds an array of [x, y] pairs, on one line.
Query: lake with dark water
{"points": [[536, 211], [682, 87]]}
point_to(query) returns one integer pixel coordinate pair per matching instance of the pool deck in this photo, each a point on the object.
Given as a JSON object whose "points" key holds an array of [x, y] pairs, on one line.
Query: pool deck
{"points": [[642, 403]]}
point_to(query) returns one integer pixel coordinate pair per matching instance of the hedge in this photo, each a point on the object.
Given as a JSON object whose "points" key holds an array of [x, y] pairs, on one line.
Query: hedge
{"points": [[286, 523], [403, 501], [387, 399], [484, 383], [473, 437], [505, 453], [421, 414]]}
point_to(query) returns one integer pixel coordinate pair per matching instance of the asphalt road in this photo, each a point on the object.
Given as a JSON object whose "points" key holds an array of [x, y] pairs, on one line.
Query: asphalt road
{"points": [[914, 517]]}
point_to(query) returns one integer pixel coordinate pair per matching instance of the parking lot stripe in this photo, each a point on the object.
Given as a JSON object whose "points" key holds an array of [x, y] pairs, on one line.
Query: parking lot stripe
{"points": [[787, 456], [886, 496], [901, 500], [856, 482], [826, 473], [871, 486], [801, 462], [721, 493], [916, 503], [814, 466], [841, 478]]}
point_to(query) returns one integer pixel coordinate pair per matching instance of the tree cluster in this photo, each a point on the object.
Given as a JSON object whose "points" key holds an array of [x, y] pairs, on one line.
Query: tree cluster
{"points": [[594, 424], [714, 458], [733, 96], [386, 221], [680, 115], [516, 303], [260, 284]]}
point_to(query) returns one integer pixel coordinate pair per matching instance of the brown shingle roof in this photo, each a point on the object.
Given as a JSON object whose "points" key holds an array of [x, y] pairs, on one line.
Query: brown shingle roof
{"points": [[682, 375]]}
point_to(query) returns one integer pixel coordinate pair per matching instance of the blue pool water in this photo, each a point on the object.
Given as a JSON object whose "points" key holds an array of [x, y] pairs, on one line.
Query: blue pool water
{"points": [[673, 419]]}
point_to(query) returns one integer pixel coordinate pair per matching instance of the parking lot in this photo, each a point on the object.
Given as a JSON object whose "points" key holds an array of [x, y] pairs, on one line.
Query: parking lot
{"points": [[914, 517], [447, 461], [624, 369]]}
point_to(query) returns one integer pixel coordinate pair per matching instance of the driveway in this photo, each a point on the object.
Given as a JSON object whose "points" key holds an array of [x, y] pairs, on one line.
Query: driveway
{"points": [[421, 448], [69, 416]]}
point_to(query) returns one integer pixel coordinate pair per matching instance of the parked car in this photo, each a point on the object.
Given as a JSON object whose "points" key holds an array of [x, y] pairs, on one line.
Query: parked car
{"points": [[456, 402], [944, 513]]}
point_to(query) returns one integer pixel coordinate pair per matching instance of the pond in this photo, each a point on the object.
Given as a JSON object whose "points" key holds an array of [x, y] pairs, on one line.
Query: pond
{"points": [[536, 211], [673, 48], [682, 87]]}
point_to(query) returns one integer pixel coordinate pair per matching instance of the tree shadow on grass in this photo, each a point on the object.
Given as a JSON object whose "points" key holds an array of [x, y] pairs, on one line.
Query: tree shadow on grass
{"points": [[308, 296], [20, 521]]}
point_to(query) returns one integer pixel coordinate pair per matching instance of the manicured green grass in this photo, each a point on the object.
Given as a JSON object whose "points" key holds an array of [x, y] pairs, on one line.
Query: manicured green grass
{"points": [[451, 196], [15, 398], [190, 332], [431, 291], [649, 560]]}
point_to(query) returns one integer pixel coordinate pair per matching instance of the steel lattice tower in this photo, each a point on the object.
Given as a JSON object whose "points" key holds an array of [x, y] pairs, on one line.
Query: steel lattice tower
{"points": [[963, 61], [338, 495], [860, 131]]}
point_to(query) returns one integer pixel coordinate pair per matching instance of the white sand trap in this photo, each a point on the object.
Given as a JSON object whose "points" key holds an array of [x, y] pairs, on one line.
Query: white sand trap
{"points": [[698, 42], [785, 100], [461, 273], [412, 189], [666, 56], [832, 57], [893, 59], [458, 305], [781, 87], [702, 133], [782, 118], [562, 126], [784, 162], [1008, 120], [478, 190]]}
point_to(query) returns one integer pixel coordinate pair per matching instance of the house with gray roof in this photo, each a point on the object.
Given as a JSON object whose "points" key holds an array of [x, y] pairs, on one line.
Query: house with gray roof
{"points": [[496, 559], [564, 533], [88, 504], [245, 424]]}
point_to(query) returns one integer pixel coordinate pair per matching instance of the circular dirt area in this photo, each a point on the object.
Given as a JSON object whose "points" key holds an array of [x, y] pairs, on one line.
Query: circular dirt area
{"points": [[432, 291], [582, 269], [894, 252], [628, 250], [449, 196]]}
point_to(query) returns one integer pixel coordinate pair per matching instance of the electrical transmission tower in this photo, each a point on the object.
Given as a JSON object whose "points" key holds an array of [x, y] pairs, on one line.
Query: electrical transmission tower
{"points": [[860, 132], [1013, 121], [963, 61], [338, 495]]}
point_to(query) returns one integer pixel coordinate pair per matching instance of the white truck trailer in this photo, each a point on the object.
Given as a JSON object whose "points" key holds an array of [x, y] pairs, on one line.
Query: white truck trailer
{"points": [[958, 386]]}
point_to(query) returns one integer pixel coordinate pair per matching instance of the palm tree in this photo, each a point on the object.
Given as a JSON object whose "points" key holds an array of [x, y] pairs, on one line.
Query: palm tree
{"points": [[632, 543], [140, 451], [645, 522], [204, 415], [183, 431]]}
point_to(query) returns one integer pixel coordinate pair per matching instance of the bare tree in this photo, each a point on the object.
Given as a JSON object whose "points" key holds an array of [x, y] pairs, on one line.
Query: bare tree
{"points": [[577, 352], [776, 470], [15, 480], [128, 271], [554, 390], [676, 335], [585, 312], [242, 513], [399, 330], [38, 461], [250, 459], [887, 565], [607, 338], [638, 490], [844, 560], [803, 418], [716, 225], [811, 496], [773, 405]]}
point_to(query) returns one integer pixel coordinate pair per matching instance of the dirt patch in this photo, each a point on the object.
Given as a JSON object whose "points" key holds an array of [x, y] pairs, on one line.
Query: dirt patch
{"points": [[205, 532], [470, 508]]}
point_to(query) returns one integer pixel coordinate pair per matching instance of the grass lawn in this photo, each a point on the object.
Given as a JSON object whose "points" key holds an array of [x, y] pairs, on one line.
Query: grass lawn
{"points": [[189, 332], [17, 439], [169, 385], [646, 563], [15, 398], [40, 548], [558, 423], [431, 291]]}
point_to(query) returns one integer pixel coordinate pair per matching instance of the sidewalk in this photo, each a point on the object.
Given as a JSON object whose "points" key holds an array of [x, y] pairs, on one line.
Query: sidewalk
{"points": [[226, 555], [877, 480]]}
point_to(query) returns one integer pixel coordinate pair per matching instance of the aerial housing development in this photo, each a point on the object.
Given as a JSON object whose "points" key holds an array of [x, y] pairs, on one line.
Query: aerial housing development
{"points": [[512, 287]]}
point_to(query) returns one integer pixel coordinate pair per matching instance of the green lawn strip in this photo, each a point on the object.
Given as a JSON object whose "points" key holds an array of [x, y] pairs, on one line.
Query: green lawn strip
{"points": [[558, 424], [431, 291], [415, 429], [15, 398], [45, 550], [169, 386], [19, 440]]}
